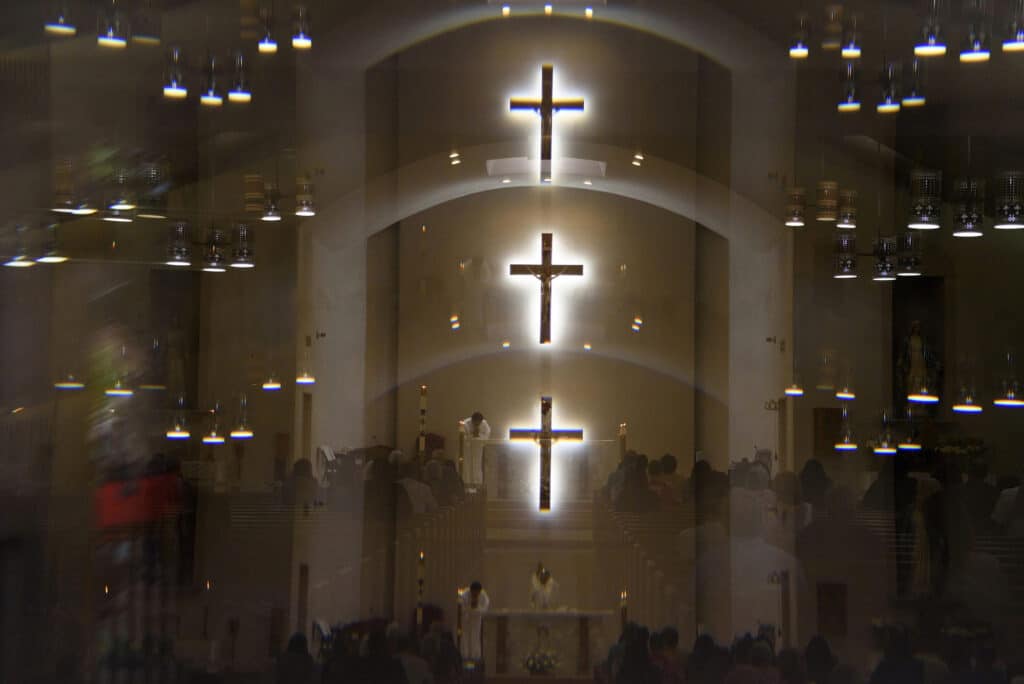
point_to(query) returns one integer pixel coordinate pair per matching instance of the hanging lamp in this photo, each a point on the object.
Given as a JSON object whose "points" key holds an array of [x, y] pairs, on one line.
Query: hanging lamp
{"points": [[1010, 395], [178, 430], [845, 255], [243, 257], [885, 444], [174, 83], [885, 255], [304, 205], [1009, 204], [1014, 41], [926, 200], [796, 208], [890, 99], [68, 382], [60, 24], [846, 442], [966, 400], [112, 34], [179, 250], [20, 258], [214, 260], [931, 42], [968, 220], [851, 40], [240, 92], [242, 431], [909, 259], [909, 439], [914, 95], [211, 96], [271, 384], [798, 47], [850, 100], [52, 254], [301, 39]]}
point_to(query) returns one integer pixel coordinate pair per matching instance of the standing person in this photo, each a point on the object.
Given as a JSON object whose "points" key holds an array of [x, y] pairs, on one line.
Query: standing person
{"points": [[477, 431], [474, 603]]}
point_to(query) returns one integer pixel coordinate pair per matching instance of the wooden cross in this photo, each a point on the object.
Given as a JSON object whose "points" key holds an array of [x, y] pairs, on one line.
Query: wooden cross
{"points": [[546, 106], [545, 436], [545, 272]]}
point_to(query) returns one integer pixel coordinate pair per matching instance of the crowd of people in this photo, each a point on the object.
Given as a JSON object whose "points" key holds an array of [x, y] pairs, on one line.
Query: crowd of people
{"points": [[375, 654], [645, 657]]}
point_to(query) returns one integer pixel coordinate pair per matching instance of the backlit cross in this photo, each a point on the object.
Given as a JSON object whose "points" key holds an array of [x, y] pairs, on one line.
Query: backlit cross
{"points": [[546, 106], [545, 272], [545, 436]]}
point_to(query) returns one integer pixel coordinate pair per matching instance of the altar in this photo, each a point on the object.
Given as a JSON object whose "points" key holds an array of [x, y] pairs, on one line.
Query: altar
{"points": [[579, 639]]}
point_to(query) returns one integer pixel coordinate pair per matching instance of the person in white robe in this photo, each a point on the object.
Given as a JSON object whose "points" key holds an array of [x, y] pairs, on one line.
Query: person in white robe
{"points": [[477, 431], [543, 589], [474, 603]]}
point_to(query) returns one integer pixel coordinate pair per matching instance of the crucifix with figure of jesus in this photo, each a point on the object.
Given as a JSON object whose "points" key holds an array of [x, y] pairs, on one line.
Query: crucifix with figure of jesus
{"points": [[546, 106], [545, 272], [545, 437]]}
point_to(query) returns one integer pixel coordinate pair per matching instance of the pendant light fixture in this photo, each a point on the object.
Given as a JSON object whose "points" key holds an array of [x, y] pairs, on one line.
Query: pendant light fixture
{"points": [[305, 377], [924, 393], [179, 249], [925, 199], [931, 42], [886, 444], [975, 48], [914, 92], [60, 23], [832, 33], [1014, 41], [847, 210], [885, 260], [968, 219], [850, 100], [240, 93], [795, 389], [123, 198], [301, 39], [243, 256], [145, 25], [214, 260], [117, 216], [68, 383], [271, 384], [119, 388], [846, 393], [796, 208], [271, 212], [174, 83], [798, 47], [20, 258], [214, 436], [112, 34], [211, 96], [52, 253], [851, 40], [178, 430], [1010, 395], [827, 209], [846, 442], [304, 205], [966, 400], [267, 44], [1009, 201], [242, 431], [153, 194], [909, 439], [845, 255], [909, 259], [890, 100]]}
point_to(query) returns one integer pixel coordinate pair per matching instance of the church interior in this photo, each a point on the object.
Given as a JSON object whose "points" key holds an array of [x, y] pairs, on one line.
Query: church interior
{"points": [[615, 341]]}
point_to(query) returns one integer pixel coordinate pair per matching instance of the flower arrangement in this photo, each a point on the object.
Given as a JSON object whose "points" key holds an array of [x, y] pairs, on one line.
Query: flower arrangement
{"points": [[541, 661]]}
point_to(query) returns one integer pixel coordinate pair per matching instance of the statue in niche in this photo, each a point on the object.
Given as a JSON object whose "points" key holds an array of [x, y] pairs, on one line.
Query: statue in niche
{"points": [[918, 367]]}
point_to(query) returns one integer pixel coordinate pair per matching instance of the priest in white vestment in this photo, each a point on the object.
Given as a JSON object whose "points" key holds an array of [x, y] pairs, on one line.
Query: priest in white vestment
{"points": [[477, 431], [474, 603], [543, 589]]}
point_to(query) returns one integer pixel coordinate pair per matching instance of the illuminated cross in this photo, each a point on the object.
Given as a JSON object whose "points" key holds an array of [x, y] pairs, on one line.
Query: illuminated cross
{"points": [[546, 106], [545, 272], [545, 436]]}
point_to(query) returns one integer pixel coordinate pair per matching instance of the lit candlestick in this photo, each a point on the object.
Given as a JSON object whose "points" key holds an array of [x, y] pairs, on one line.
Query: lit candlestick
{"points": [[624, 608], [421, 566], [422, 447]]}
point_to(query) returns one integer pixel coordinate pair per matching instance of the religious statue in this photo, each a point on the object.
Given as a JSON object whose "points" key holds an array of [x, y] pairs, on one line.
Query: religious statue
{"points": [[544, 589], [918, 368], [473, 604], [477, 431]]}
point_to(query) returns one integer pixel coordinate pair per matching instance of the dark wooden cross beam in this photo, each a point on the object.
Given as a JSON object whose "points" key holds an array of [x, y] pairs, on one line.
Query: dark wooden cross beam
{"points": [[545, 272], [545, 436], [546, 106]]}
